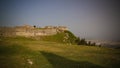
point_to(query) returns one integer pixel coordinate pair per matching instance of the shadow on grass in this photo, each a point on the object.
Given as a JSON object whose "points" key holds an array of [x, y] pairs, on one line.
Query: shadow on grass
{"points": [[61, 62]]}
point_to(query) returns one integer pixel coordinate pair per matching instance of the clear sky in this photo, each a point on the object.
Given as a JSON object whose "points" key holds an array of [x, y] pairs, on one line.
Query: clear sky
{"points": [[90, 19]]}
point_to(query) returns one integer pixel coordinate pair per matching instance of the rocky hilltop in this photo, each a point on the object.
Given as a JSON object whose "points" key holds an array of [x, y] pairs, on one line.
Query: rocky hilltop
{"points": [[28, 30]]}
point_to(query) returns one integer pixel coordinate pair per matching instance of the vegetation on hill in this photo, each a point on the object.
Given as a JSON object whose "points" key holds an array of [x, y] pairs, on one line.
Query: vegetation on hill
{"points": [[84, 42], [61, 37], [29, 53], [66, 37]]}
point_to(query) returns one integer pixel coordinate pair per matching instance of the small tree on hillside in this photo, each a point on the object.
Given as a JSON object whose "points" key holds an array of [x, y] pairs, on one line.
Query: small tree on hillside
{"points": [[89, 43], [93, 44], [82, 42], [77, 40], [34, 26]]}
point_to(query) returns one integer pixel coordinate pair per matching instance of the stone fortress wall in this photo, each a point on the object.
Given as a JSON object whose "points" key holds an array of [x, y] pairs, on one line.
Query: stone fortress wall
{"points": [[27, 31]]}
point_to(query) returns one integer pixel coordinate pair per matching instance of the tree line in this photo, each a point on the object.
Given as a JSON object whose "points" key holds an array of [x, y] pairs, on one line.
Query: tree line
{"points": [[83, 41]]}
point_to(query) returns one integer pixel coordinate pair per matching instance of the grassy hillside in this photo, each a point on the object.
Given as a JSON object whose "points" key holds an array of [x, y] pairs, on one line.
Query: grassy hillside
{"points": [[19, 52], [62, 37]]}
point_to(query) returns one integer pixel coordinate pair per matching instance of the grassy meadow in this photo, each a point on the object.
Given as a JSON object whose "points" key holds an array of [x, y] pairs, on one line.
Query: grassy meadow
{"points": [[23, 52]]}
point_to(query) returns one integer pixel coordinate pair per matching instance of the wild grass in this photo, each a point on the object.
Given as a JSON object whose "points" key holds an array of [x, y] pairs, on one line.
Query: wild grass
{"points": [[14, 53], [60, 37]]}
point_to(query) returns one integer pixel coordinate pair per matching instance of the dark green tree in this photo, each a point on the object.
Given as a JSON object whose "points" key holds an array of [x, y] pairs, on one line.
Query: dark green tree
{"points": [[89, 43], [77, 40], [34, 26], [82, 42], [93, 44]]}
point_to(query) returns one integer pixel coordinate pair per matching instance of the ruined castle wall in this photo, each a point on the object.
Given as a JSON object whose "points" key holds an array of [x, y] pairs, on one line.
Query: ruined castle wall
{"points": [[44, 32], [24, 31], [7, 31], [26, 34], [29, 31], [50, 31]]}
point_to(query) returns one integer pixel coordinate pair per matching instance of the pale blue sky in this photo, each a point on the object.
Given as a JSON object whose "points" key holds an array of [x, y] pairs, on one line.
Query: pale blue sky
{"points": [[95, 19]]}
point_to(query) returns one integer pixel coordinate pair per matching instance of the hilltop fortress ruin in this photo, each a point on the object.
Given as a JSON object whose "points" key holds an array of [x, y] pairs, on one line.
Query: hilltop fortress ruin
{"points": [[29, 31]]}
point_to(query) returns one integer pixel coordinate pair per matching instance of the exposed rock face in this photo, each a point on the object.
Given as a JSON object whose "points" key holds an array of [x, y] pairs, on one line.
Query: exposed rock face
{"points": [[28, 30]]}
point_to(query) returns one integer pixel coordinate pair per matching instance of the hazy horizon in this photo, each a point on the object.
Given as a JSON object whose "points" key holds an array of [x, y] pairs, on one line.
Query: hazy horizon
{"points": [[90, 19]]}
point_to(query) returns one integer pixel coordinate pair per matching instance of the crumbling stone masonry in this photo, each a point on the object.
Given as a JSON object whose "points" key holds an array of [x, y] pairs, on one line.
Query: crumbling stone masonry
{"points": [[27, 31]]}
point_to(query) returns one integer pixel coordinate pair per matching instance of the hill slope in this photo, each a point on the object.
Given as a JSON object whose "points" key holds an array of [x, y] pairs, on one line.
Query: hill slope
{"points": [[62, 37], [30, 53]]}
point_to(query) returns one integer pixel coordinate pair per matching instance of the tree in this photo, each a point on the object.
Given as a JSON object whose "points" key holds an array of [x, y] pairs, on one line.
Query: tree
{"points": [[93, 44], [83, 42], [77, 40], [34, 26], [89, 43]]}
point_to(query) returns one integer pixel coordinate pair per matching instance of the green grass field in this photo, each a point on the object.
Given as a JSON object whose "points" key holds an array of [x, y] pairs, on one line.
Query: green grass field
{"points": [[15, 53]]}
